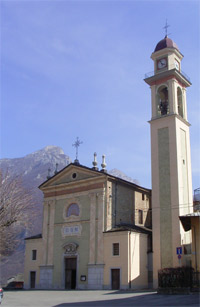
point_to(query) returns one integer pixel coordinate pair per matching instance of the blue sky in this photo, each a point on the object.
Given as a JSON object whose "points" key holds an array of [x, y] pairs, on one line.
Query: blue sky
{"points": [[76, 68]]}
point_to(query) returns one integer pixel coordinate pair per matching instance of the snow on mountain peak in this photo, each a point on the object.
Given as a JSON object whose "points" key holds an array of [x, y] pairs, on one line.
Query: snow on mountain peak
{"points": [[53, 148], [50, 149]]}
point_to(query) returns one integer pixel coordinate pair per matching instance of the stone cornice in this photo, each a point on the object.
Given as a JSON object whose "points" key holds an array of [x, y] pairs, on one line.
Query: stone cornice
{"points": [[73, 184], [170, 116], [71, 190]]}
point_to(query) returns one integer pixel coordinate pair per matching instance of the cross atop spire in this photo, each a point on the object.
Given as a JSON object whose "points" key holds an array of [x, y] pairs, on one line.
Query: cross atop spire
{"points": [[77, 144], [165, 27]]}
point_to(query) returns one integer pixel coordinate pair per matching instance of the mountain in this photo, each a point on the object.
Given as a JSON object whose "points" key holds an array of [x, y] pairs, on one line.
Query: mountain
{"points": [[115, 172], [33, 169]]}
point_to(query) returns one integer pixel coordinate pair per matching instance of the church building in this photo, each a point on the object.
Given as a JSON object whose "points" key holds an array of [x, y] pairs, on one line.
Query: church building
{"points": [[97, 228], [96, 233]]}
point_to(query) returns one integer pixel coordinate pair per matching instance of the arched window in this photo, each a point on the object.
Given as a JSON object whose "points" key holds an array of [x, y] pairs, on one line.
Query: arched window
{"points": [[180, 102], [162, 101], [73, 209]]}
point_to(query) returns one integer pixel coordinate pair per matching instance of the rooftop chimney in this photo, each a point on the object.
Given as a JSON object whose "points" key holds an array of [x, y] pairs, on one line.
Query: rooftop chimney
{"points": [[56, 170], [49, 173]]}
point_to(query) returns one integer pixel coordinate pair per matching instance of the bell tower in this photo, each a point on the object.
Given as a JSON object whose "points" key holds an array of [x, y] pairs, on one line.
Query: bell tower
{"points": [[170, 157]]}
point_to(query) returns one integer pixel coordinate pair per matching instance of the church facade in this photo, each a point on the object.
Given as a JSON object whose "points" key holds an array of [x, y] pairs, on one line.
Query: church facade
{"points": [[96, 233]]}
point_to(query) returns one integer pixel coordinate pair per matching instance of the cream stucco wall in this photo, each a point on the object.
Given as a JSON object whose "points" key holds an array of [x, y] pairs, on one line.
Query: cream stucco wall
{"points": [[138, 261], [32, 265], [118, 262], [132, 259]]}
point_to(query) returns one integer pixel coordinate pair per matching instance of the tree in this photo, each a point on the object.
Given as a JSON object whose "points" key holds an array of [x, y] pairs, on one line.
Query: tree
{"points": [[16, 212]]}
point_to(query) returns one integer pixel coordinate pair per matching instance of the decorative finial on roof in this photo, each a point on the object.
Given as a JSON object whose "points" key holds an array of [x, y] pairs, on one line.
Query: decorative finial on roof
{"points": [[49, 173], [77, 144], [165, 27], [103, 164], [56, 170], [95, 162]]}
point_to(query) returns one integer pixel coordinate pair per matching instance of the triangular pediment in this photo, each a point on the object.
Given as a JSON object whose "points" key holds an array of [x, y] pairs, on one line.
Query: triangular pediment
{"points": [[72, 174]]}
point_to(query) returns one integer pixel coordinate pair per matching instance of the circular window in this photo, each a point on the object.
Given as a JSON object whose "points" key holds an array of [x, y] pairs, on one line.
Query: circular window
{"points": [[74, 175]]}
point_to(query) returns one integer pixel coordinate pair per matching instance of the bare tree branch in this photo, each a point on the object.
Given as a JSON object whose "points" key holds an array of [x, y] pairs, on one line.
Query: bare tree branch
{"points": [[16, 212]]}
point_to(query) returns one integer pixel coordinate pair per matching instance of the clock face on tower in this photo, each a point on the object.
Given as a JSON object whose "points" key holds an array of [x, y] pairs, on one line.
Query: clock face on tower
{"points": [[162, 63], [176, 63]]}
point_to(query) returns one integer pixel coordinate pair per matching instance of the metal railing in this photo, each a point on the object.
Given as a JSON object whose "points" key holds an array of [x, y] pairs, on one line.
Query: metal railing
{"points": [[178, 277], [196, 279], [152, 73]]}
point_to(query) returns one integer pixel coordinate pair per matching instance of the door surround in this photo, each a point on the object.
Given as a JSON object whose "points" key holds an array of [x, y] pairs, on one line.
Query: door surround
{"points": [[70, 251]]}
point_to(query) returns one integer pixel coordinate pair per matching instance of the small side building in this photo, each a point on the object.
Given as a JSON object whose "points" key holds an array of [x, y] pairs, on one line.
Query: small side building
{"points": [[33, 258], [191, 222], [126, 250], [96, 233]]}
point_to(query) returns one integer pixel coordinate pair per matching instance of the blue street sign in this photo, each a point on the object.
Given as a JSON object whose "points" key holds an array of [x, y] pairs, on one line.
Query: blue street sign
{"points": [[179, 250]]}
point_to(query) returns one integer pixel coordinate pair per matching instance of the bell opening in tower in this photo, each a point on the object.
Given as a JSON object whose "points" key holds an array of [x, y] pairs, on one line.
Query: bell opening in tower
{"points": [[162, 101]]}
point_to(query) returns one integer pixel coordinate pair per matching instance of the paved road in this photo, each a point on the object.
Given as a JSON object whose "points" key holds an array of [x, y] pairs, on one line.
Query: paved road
{"points": [[95, 298]]}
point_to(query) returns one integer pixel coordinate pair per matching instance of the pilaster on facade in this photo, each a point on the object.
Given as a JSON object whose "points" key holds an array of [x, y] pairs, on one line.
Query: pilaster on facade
{"points": [[92, 197], [108, 208], [46, 276], [51, 232], [184, 103], [100, 227], [172, 97], [153, 101], [45, 231]]}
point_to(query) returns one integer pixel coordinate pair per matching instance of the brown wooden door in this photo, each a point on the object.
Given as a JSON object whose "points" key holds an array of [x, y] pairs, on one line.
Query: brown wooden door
{"points": [[68, 277], [70, 273], [115, 276], [32, 279]]}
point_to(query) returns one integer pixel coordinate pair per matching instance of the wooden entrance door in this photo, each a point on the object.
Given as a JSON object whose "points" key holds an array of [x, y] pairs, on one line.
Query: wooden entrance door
{"points": [[32, 279], [70, 273], [115, 279]]}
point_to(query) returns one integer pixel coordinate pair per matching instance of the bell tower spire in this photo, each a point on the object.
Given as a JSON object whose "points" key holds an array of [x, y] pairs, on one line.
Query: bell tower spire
{"points": [[170, 156]]}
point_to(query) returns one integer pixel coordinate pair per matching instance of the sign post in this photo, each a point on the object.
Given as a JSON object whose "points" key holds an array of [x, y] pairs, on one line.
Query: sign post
{"points": [[179, 253]]}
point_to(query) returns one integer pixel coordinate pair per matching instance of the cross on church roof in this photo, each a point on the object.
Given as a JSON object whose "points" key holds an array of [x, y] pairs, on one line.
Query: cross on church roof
{"points": [[165, 27], [77, 144]]}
